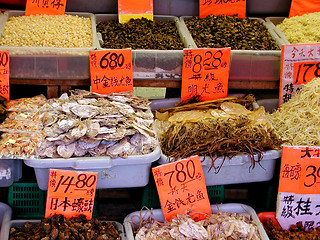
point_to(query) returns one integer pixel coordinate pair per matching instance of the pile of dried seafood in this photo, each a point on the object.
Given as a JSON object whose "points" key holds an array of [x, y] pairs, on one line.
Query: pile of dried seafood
{"points": [[296, 232], [83, 124], [224, 127], [222, 225], [58, 227]]}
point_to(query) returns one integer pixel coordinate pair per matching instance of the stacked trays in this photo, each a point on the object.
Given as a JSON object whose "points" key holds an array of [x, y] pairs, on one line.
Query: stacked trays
{"points": [[157, 213], [73, 63], [10, 171]]}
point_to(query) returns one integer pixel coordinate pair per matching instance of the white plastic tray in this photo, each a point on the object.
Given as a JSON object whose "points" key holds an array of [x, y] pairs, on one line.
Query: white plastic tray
{"points": [[229, 207], [133, 171], [254, 65], [5, 216], [20, 223], [49, 62], [154, 63], [273, 21], [10, 171]]}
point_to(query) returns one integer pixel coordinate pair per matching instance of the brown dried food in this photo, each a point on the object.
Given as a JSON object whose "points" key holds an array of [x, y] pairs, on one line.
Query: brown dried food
{"points": [[230, 31], [140, 34], [217, 128], [58, 227], [295, 232]]}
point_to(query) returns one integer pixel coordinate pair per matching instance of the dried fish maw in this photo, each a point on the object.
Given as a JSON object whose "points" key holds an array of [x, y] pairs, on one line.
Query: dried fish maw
{"points": [[259, 116], [189, 116], [234, 108]]}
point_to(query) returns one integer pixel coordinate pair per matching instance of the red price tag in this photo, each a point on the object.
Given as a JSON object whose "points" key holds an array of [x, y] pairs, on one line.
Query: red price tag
{"points": [[222, 7], [39, 7], [300, 63], [300, 170], [300, 7], [306, 71], [181, 188], [205, 72], [135, 9], [4, 75], [299, 187], [111, 71], [71, 193]]}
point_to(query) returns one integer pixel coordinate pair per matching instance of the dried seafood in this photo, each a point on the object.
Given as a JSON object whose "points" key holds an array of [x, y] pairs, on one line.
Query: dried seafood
{"points": [[296, 232], [222, 225], [298, 120], [58, 227], [3, 111], [224, 127], [89, 124]]}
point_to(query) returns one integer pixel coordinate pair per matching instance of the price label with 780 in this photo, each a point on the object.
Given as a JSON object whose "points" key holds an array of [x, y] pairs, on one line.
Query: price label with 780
{"points": [[181, 187]]}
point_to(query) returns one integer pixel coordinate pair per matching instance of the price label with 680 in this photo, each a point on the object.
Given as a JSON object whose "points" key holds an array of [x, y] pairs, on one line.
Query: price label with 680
{"points": [[111, 71], [181, 187], [70, 193]]}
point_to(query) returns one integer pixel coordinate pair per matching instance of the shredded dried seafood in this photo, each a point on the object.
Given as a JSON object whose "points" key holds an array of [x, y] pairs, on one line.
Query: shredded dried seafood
{"points": [[224, 127], [89, 124], [58, 227], [223, 225], [296, 232], [298, 120]]}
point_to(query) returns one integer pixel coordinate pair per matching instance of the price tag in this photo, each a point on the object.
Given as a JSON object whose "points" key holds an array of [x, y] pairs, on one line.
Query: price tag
{"points": [[205, 72], [300, 64], [299, 187], [4, 75], [182, 189], [300, 7], [70, 193], [52, 7], [222, 7], [135, 9], [111, 71]]}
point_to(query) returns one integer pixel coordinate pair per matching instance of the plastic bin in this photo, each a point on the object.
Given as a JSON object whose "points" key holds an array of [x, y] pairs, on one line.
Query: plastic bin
{"points": [[10, 171], [5, 217], [229, 207], [246, 65], [264, 216], [20, 223], [273, 21], [133, 171], [49, 62], [154, 64]]}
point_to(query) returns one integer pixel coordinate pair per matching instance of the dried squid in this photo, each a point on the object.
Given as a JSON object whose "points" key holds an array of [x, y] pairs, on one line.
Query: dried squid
{"points": [[222, 226]]}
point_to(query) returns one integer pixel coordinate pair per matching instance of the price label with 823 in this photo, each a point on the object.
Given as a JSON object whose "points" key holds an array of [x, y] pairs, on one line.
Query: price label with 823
{"points": [[111, 71], [71, 193], [181, 187], [205, 73]]}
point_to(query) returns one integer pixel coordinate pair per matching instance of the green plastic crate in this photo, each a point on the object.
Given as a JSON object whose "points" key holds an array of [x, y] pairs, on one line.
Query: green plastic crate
{"points": [[150, 197], [28, 201]]}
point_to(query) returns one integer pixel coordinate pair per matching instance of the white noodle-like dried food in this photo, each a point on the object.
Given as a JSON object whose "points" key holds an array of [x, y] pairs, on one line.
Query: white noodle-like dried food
{"points": [[298, 120], [301, 29]]}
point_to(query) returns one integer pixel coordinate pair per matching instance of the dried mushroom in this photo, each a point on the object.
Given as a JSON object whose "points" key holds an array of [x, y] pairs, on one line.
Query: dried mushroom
{"points": [[230, 31], [140, 34]]}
